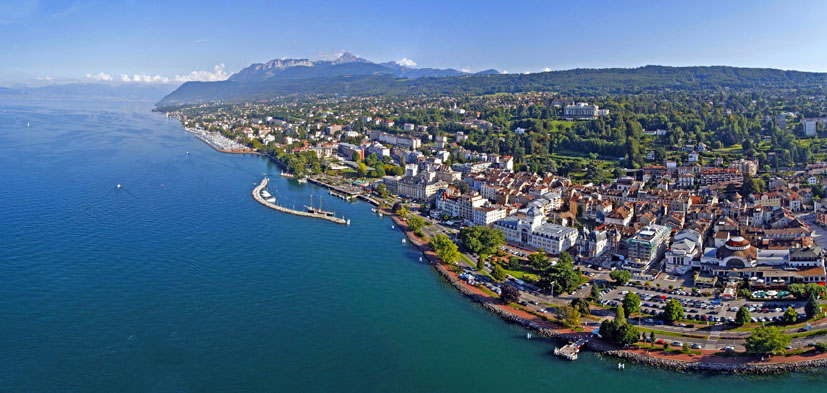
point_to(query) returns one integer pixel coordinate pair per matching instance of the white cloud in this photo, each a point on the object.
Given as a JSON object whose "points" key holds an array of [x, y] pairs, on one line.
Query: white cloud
{"points": [[505, 71], [547, 69], [466, 69], [406, 62], [45, 78], [100, 77], [142, 78], [218, 74]]}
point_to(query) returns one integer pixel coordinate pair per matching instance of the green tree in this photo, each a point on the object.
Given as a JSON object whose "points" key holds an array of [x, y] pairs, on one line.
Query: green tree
{"points": [[815, 289], [742, 317], [509, 294], [570, 316], [673, 311], [561, 276], [798, 290], [361, 169], [403, 213], [445, 249], [415, 222], [539, 260], [498, 273], [749, 186], [382, 190], [481, 264], [356, 157], [481, 239], [767, 340], [790, 316], [631, 302], [594, 295], [380, 170], [620, 276], [581, 305], [811, 308], [620, 315]]}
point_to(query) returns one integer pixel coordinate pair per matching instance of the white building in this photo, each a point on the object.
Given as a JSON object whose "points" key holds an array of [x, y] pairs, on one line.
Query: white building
{"points": [[684, 252], [531, 231], [487, 215], [581, 111]]}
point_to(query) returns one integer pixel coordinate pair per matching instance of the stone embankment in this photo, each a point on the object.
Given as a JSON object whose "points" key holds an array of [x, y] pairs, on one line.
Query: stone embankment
{"points": [[715, 365], [259, 199]]}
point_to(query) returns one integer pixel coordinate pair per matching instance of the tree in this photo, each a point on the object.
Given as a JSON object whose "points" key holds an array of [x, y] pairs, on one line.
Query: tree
{"points": [[402, 212], [815, 289], [562, 275], [415, 222], [445, 249], [798, 290], [749, 186], [356, 157], [480, 264], [481, 239], [581, 305], [767, 340], [742, 317], [498, 273], [790, 316], [361, 169], [539, 260], [618, 330], [594, 295], [811, 308], [570, 316], [380, 170], [652, 338], [509, 294], [631, 302], [620, 276], [673, 311], [382, 190]]}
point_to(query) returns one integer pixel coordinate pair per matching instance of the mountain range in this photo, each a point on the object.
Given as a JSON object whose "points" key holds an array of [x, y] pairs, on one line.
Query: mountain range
{"points": [[260, 83], [346, 64]]}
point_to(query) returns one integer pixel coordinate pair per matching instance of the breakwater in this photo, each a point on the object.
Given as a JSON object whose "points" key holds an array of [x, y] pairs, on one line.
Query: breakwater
{"points": [[259, 199]]}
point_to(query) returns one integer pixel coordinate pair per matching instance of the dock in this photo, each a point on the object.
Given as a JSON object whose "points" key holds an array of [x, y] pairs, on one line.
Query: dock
{"points": [[257, 196], [571, 350]]}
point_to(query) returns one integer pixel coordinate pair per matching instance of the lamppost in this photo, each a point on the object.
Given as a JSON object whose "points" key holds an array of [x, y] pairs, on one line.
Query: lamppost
{"points": [[552, 289]]}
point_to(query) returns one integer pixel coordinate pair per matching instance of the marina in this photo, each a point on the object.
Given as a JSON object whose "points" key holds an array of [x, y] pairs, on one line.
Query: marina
{"points": [[260, 196]]}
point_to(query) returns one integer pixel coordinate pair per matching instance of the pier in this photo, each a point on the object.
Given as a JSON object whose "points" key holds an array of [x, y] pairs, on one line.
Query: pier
{"points": [[570, 351], [257, 196]]}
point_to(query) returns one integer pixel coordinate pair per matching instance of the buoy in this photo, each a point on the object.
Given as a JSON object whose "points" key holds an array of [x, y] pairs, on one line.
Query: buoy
{"points": [[28, 125], [119, 185], [420, 259], [528, 336], [188, 153], [403, 240], [621, 366]]}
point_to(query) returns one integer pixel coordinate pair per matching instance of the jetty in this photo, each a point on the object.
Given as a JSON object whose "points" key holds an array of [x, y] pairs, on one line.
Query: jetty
{"points": [[571, 350], [257, 195]]}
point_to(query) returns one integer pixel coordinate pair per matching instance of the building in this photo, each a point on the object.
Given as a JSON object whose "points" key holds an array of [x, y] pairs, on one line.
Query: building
{"points": [[347, 150], [487, 215], [467, 203], [718, 175], [396, 140], [745, 167], [532, 232], [440, 142], [764, 268], [417, 188], [646, 247], [378, 149], [581, 111], [685, 252]]}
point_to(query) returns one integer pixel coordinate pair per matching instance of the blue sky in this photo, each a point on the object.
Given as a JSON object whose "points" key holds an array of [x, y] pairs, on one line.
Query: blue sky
{"points": [[65, 40]]}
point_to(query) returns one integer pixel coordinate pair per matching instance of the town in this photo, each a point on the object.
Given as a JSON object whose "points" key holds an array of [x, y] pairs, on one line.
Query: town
{"points": [[706, 212]]}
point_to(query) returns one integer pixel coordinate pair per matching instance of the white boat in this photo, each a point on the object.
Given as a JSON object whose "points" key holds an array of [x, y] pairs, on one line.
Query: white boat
{"points": [[271, 200], [302, 180], [404, 241], [373, 210], [265, 194]]}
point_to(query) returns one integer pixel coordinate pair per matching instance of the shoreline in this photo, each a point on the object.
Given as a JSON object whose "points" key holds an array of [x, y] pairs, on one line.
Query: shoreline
{"points": [[722, 365]]}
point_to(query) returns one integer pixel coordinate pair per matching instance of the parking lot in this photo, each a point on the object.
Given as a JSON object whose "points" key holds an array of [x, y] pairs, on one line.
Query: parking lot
{"points": [[702, 309]]}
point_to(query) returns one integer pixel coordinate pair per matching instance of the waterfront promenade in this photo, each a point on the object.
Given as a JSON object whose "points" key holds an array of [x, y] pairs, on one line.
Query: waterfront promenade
{"points": [[259, 199]]}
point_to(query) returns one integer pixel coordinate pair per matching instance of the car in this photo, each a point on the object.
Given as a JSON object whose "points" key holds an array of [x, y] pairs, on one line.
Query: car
{"points": [[660, 341], [728, 348], [695, 346], [676, 344]]}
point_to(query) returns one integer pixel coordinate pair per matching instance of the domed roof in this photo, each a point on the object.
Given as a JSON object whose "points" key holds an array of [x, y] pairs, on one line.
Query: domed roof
{"points": [[737, 247], [737, 242]]}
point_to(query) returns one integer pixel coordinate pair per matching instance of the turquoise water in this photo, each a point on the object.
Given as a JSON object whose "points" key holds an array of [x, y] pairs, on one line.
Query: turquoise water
{"points": [[180, 282]]}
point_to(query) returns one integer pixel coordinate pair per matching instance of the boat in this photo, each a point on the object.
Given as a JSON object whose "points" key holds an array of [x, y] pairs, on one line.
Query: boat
{"points": [[621, 366], [404, 241], [373, 210], [265, 194], [311, 209], [270, 200], [302, 180]]}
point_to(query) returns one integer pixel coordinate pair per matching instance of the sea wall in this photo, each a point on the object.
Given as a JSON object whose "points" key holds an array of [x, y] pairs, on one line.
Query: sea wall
{"points": [[595, 346]]}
